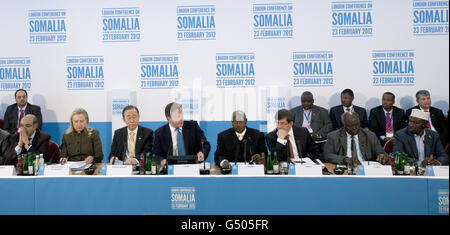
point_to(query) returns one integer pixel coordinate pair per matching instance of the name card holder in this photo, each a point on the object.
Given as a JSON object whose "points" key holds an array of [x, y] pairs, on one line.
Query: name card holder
{"points": [[54, 170], [437, 171], [184, 169], [374, 170], [7, 171], [305, 169], [247, 169], [118, 170]]}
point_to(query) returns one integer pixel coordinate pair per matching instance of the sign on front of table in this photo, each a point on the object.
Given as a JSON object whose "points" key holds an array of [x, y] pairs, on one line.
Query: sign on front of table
{"points": [[119, 170], [184, 169], [375, 170], [54, 170], [437, 170], [305, 169], [247, 169], [6, 170]]}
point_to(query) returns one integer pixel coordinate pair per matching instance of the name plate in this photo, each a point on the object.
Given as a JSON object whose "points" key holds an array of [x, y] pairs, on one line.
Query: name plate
{"points": [[184, 169], [54, 170], [374, 170], [437, 171], [122, 170], [242, 169], [7, 171], [305, 169]]}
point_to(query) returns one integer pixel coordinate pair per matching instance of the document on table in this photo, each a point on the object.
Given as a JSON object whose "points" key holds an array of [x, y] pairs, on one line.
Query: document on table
{"points": [[371, 163], [78, 165]]}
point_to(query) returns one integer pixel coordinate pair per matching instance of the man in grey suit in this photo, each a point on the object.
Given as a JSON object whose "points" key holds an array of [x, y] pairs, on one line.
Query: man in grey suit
{"points": [[420, 143], [312, 117], [351, 144]]}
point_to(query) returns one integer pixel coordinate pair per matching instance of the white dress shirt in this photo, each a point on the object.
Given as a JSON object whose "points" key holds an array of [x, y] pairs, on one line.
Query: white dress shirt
{"points": [[349, 147], [174, 133], [420, 147]]}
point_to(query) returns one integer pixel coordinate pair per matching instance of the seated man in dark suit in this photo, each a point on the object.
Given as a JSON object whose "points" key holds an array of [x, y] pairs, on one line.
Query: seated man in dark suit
{"points": [[420, 143], [436, 120], [352, 145], [386, 119], [6, 148], [15, 112], [347, 106], [131, 141], [230, 143], [290, 142], [30, 139], [179, 137], [312, 117]]}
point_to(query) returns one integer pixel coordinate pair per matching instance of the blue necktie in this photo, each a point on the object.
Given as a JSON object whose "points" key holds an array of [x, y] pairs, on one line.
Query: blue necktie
{"points": [[180, 144]]}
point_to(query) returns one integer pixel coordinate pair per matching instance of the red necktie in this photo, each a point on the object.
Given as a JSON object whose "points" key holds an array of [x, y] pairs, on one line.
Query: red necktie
{"points": [[428, 123], [20, 117], [291, 150], [388, 123]]}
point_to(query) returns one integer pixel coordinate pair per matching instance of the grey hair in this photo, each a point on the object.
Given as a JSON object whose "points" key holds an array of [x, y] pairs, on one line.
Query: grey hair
{"points": [[239, 116], [344, 115], [422, 93]]}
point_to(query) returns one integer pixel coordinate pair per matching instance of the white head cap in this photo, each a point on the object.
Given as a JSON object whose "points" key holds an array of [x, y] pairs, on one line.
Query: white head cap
{"points": [[420, 114]]}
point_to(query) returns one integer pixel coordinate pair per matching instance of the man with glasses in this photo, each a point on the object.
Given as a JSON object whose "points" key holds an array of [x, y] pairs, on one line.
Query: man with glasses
{"points": [[420, 143], [290, 142], [352, 145], [131, 141]]}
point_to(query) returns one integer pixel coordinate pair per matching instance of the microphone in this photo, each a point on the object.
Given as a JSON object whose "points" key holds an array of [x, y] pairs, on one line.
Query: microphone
{"points": [[204, 171], [245, 151], [299, 150]]}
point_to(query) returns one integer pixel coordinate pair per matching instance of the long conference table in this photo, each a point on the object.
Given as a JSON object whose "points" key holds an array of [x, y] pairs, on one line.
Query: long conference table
{"points": [[224, 195]]}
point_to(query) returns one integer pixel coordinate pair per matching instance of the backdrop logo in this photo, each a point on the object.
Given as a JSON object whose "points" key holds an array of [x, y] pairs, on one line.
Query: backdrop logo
{"points": [[351, 19], [85, 73], [15, 73], [443, 201], [235, 70], [159, 71], [313, 69], [190, 107], [273, 21], [47, 26], [393, 67], [196, 22], [183, 198], [273, 104], [430, 18], [118, 105], [121, 24]]}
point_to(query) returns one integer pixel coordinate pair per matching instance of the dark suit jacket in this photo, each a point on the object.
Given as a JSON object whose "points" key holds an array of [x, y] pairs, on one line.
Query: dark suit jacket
{"points": [[320, 122], [228, 145], [192, 137], [438, 121], [119, 146], [39, 144], [377, 121], [337, 111], [336, 146], [11, 116], [406, 143], [306, 145], [6, 148]]}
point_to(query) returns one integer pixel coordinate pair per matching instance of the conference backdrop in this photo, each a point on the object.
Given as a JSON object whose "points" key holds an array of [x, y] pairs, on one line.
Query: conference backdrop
{"points": [[215, 57]]}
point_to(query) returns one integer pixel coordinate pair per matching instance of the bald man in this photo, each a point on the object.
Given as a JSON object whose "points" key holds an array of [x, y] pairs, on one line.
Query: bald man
{"points": [[30, 139]]}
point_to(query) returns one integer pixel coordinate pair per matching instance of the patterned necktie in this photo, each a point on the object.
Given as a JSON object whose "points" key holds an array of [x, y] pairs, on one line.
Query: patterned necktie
{"points": [[20, 118], [428, 123], [388, 123], [180, 143], [131, 146], [240, 137]]}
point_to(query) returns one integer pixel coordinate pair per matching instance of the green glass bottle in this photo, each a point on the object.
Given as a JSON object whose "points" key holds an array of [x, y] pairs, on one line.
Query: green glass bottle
{"points": [[276, 165], [148, 164], [153, 165], [269, 164], [25, 164]]}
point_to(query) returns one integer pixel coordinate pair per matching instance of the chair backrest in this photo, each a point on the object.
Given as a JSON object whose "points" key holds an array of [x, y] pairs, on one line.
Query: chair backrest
{"points": [[54, 151], [389, 146], [1, 123], [447, 148]]}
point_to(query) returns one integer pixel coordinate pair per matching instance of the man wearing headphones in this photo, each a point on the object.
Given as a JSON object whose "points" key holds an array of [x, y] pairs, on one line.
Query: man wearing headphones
{"points": [[420, 143]]}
